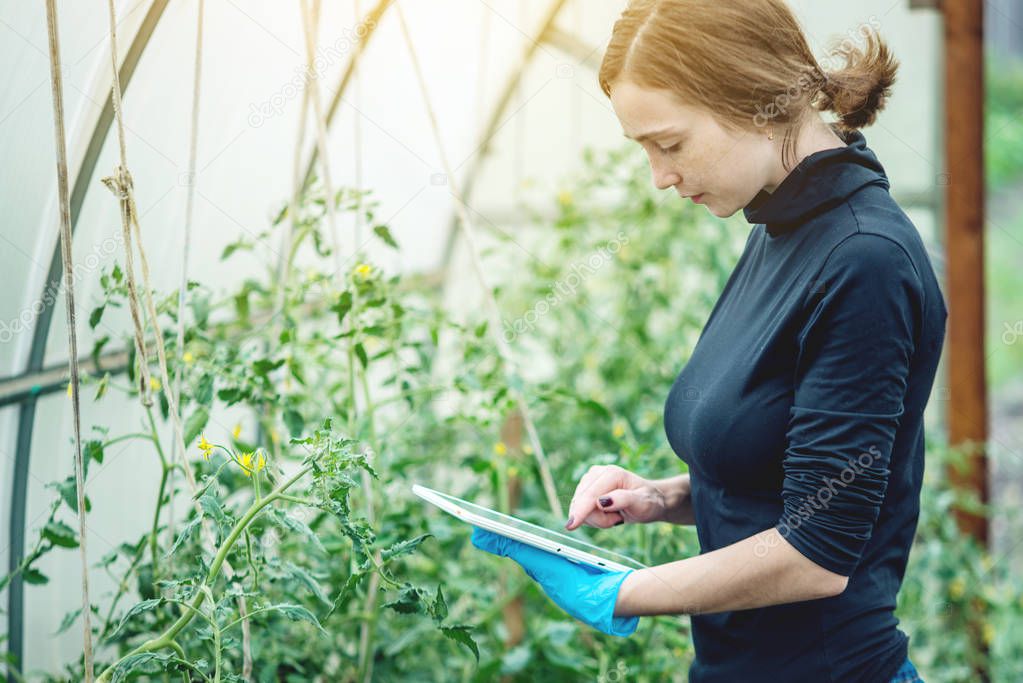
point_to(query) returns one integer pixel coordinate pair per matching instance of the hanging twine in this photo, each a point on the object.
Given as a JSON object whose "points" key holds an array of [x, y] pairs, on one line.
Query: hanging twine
{"points": [[57, 84], [121, 185], [469, 231], [310, 27]]}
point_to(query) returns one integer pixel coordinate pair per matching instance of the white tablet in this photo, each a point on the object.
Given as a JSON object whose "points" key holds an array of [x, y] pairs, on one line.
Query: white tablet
{"points": [[526, 532]]}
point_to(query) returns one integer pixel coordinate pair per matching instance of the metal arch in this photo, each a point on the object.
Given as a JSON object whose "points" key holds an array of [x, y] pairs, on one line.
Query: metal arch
{"points": [[27, 411]]}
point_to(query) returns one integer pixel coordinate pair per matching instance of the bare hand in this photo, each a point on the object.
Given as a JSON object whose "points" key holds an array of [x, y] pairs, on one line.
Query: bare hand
{"points": [[608, 495]]}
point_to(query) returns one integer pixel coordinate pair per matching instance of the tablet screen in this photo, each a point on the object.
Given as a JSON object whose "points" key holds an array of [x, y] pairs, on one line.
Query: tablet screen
{"points": [[542, 532]]}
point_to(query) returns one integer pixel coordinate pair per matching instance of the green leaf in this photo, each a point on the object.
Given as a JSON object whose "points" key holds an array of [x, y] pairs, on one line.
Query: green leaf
{"points": [[460, 634], [211, 507], [346, 592], [101, 388], [343, 306], [409, 600], [297, 613], [306, 579], [438, 608], [384, 233], [361, 353], [403, 547], [69, 494], [96, 316], [164, 406], [93, 450], [294, 421], [298, 526], [68, 621], [195, 423], [265, 366], [34, 576], [137, 609], [59, 533], [185, 534], [204, 390], [235, 246], [141, 662]]}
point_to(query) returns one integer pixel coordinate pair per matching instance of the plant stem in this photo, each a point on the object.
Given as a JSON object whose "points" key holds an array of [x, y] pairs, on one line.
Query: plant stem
{"points": [[156, 519], [125, 437]]}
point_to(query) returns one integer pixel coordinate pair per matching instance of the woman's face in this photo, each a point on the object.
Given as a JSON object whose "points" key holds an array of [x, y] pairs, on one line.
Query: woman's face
{"points": [[690, 151]]}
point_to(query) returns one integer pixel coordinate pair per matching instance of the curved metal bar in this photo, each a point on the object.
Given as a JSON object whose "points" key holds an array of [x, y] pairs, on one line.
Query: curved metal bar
{"points": [[27, 412]]}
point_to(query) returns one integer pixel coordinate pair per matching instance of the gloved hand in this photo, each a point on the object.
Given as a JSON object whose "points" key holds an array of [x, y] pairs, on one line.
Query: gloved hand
{"points": [[587, 593]]}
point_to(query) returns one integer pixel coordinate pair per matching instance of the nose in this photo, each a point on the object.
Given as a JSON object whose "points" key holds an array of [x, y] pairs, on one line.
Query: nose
{"points": [[664, 175]]}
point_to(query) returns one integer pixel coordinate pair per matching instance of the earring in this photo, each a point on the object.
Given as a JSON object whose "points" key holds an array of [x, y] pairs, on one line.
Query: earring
{"points": [[770, 136]]}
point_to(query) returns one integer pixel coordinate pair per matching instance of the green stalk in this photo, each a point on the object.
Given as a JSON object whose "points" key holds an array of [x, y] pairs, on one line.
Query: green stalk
{"points": [[167, 637], [156, 519], [125, 437]]}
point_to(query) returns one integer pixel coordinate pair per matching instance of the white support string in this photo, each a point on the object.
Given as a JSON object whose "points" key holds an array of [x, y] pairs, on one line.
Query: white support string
{"points": [[63, 200], [310, 28], [357, 131]]}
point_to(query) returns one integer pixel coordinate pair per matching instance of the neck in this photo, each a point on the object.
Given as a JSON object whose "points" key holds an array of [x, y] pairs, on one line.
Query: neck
{"points": [[815, 137]]}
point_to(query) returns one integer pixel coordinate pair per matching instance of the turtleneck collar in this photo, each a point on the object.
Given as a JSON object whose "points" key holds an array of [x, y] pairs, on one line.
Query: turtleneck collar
{"points": [[819, 182]]}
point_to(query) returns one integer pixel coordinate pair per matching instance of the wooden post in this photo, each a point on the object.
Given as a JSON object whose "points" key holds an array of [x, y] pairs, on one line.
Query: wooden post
{"points": [[965, 195]]}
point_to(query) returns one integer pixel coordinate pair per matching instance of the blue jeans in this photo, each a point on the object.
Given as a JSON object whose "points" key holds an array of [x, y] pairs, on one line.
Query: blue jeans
{"points": [[907, 673]]}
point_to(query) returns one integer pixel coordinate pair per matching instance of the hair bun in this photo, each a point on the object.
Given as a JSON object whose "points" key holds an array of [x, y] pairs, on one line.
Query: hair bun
{"points": [[859, 90]]}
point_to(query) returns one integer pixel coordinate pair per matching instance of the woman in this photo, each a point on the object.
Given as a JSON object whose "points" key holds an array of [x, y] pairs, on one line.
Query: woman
{"points": [[800, 411]]}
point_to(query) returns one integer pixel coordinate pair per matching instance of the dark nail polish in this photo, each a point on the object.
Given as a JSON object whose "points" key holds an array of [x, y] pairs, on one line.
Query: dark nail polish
{"points": [[569, 522], [621, 521], [604, 502]]}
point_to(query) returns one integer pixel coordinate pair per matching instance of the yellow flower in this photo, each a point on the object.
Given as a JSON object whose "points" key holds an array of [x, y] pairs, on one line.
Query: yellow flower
{"points": [[513, 471], [956, 588], [187, 357], [527, 449], [155, 384], [363, 270], [500, 448], [237, 431], [618, 430], [205, 446], [247, 462], [564, 197], [988, 633]]}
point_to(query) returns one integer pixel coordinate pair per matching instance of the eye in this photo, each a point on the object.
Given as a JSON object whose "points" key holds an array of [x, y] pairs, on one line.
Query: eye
{"points": [[670, 150]]}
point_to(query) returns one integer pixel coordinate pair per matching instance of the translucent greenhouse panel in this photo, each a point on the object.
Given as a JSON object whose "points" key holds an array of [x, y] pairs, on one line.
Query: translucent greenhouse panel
{"points": [[907, 133], [27, 176]]}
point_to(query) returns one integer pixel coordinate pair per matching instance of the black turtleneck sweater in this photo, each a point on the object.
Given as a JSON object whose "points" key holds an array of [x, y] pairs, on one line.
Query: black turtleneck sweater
{"points": [[801, 408]]}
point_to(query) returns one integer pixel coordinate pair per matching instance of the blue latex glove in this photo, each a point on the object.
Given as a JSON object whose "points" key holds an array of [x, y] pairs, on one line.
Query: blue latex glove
{"points": [[587, 593]]}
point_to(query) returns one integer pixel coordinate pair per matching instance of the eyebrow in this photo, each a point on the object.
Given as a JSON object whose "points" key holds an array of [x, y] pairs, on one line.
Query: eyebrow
{"points": [[652, 134]]}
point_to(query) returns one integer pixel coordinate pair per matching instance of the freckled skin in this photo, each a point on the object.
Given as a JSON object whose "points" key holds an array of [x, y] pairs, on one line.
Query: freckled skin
{"points": [[728, 167]]}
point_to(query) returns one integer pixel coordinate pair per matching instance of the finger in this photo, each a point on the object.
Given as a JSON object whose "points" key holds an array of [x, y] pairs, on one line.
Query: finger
{"points": [[603, 520], [590, 488], [619, 500]]}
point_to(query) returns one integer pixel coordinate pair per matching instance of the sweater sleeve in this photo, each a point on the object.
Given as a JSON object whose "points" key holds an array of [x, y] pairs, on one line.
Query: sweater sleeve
{"points": [[855, 346]]}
